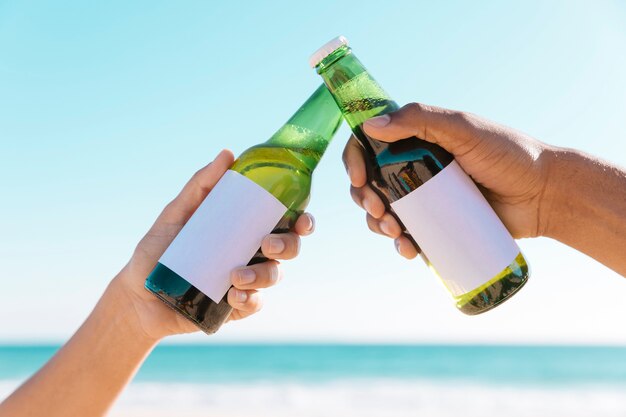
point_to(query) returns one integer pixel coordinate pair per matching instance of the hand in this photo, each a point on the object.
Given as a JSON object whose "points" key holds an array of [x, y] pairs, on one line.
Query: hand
{"points": [[510, 168], [155, 319]]}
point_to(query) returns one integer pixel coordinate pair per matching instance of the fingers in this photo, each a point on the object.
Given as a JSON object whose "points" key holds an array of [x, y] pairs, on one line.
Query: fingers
{"points": [[196, 190], [405, 247], [386, 225], [245, 302], [354, 162], [305, 225], [244, 297], [256, 276], [287, 245], [368, 200], [362, 194], [281, 246], [434, 124]]}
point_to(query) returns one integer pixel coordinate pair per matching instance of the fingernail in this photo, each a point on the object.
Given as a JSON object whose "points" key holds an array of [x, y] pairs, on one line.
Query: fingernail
{"points": [[311, 224], [367, 206], [219, 154], [397, 245], [276, 245], [274, 275], [379, 121], [246, 276], [241, 296], [385, 228]]}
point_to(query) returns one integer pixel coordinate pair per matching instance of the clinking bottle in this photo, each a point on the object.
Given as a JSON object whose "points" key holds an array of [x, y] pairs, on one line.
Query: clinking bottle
{"points": [[265, 191], [437, 204]]}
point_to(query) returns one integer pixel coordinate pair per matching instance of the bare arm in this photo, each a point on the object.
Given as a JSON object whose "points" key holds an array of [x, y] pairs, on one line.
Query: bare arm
{"points": [[86, 376], [536, 189], [89, 372], [587, 200]]}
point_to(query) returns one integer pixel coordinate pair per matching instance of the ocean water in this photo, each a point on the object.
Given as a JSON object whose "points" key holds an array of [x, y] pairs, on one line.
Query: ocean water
{"points": [[361, 380]]}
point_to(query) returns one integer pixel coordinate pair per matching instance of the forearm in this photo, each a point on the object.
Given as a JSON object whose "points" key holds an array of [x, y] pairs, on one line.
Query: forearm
{"points": [[89, 372], [586, 206]]}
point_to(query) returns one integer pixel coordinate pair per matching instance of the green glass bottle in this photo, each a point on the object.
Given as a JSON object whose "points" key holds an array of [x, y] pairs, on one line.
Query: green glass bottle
{"points": [[438, 206], [265, 191]]}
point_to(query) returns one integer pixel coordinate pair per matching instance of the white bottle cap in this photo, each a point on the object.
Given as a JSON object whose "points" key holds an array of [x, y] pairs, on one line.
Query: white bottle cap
{"points": [[326, 50]]}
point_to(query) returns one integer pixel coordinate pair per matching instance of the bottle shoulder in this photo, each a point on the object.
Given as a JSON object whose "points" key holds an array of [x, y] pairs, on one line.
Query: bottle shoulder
{"points": [[278, 171], [268, 154]]}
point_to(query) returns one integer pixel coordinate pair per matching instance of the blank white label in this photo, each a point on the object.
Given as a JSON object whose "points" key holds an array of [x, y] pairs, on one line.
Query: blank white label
{"points": [[457, 230], [223, 234]]}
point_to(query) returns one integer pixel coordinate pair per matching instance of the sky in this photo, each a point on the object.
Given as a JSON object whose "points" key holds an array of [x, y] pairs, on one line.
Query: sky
{"points": [[107, 108]]}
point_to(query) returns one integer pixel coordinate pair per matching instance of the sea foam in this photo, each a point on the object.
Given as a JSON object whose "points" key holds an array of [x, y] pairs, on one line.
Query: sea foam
{"points": [[375, 398]]}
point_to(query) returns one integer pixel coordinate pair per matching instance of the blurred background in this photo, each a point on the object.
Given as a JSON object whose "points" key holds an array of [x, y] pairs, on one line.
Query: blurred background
{"points": [[107, 109]]}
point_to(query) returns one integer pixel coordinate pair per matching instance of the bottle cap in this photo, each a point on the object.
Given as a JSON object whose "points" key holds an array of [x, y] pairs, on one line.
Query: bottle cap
{"points": [[326, 50]]}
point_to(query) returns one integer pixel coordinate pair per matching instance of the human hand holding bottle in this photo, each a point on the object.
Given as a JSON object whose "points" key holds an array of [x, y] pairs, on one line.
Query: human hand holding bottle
{"points": [[536, 189], [155, 318], [93, 367]]}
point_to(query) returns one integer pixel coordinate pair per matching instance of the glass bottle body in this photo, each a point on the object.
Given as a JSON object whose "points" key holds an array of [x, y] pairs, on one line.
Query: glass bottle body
{"points": [[395, 170], [283, 167]]}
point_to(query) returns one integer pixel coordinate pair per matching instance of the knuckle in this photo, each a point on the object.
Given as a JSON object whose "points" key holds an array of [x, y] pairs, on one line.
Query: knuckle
{"points": [[349, 148], [355, 193], [375, 205], [388, 218], [462, 118], [256, 303], [265, 245], [293, 245], [198, 174], [371, 223], [231, 297], [414, 108], [170, 207], [273, 273], [345, 153]]}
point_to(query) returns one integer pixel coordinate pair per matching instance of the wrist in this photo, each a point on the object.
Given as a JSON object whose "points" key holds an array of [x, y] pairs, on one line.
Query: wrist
{"points": [[573, 195], [557, 191], [584, 206], [117, 307]]}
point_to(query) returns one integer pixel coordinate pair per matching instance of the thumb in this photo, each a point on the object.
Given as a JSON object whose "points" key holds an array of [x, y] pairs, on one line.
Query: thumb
{"points": [[195, 191], [430, 123]]}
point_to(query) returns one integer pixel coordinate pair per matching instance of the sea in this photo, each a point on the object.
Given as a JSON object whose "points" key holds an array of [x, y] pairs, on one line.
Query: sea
{"points": [[317, 380]]}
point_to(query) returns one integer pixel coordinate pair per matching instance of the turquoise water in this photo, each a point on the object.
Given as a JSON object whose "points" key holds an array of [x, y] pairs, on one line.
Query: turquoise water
{"points": [[361, 381], [510, 365]]}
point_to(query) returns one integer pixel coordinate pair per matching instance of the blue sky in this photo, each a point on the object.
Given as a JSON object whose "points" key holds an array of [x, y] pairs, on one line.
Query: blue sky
{"points": [[106, 110]]}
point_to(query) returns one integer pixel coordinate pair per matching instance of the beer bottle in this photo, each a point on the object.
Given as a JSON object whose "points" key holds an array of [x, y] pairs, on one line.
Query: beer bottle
{"points": [[265, 191], [436, 203]]}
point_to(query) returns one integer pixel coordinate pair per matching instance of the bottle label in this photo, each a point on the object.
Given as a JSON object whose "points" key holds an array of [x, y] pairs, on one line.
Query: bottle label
{"points": [[224, 233], [457, 230]]}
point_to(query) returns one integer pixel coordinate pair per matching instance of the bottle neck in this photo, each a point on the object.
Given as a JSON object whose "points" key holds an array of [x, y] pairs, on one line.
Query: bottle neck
{"points": [[309, 131], [356, 92]]}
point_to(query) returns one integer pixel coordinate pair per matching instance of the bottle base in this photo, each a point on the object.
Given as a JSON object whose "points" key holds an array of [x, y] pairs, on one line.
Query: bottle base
{"points": [[186, 300], [497, 290]]}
